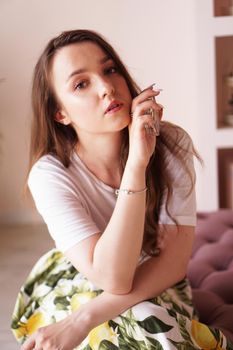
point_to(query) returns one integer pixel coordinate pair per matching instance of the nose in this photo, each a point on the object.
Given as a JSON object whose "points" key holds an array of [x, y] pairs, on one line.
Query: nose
{"points": [[106, 87]]}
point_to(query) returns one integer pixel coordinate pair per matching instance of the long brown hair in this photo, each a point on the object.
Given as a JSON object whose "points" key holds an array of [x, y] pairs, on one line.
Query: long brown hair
{"points": [[51, 137]]}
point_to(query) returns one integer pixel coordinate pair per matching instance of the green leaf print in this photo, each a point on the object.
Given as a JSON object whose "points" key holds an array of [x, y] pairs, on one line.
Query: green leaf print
{"points": [[183, 290], [87, 347], [123, 346], [216, 334], [153, 324], [128, 343], [141, 345], [155, 344], [61, 300], [127, 339], [188, 343], [18, 310], [172, 313], [180, 310], [112, 324], [52, 280], [106, 344], [38, 278], [31, 307], [183, 345]]}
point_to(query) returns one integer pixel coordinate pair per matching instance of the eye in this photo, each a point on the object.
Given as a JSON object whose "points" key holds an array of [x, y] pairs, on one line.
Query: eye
{"points": [[81, 85], [111, 70]]}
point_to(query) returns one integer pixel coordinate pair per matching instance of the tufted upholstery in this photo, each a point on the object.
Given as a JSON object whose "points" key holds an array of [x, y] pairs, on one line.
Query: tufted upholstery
{"points": [[210, 270]]}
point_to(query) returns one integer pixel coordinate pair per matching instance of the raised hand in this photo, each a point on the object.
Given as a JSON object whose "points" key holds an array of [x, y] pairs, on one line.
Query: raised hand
{"points": [[146, 114]]}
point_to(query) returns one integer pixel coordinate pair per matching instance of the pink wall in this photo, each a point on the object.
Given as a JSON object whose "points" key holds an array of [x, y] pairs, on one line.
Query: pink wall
{"points": [[156, 39]]}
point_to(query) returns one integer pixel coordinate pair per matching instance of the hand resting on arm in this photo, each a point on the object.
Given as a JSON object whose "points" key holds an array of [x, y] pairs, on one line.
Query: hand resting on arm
{"points": [[152, 277]]}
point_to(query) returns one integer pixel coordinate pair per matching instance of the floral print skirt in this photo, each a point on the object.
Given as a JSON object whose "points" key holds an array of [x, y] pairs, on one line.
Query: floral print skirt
{"points": [[54, 289]]}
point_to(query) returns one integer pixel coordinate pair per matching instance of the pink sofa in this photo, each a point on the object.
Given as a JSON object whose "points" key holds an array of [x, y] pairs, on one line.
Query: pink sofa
{"points": [[211, 270]]}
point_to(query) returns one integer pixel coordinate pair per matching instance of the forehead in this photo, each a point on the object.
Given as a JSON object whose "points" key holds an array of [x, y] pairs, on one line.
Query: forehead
{"points": [[75, 56]]}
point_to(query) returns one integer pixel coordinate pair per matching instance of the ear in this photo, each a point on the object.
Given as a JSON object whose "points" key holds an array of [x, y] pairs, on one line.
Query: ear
{"points": [[60, 118]]}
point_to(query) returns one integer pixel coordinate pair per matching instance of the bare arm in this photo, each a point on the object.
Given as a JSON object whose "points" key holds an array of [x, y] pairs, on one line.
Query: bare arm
{"points": [[98, 256], [151, 278], [124, 234]]}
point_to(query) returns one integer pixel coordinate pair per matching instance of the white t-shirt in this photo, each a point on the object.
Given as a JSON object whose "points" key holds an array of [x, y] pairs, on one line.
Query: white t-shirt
{"points": [[75, 204]]}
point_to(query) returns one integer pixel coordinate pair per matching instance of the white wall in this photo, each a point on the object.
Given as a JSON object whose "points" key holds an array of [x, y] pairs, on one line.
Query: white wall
{"points": [[158, 40], [209, 137]]}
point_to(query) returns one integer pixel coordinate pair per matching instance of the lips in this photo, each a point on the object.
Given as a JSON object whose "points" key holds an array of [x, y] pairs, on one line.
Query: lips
{"points": [[113, 104]]}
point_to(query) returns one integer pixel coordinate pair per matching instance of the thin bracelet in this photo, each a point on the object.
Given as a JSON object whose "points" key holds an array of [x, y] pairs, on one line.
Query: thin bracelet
{"points": [[129, 191]]}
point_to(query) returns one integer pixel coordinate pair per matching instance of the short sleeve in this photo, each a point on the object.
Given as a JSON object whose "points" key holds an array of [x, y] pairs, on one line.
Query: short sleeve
{"points": [[182, 205], [58, 203]]}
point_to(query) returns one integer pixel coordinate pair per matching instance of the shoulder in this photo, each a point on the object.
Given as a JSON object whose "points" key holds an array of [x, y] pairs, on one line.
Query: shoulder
{"points": [[177, 168], [177, 153], [47, 171], [47, 164]]}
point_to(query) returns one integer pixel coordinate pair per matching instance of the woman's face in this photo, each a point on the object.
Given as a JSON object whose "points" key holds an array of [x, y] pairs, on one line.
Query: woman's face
{"points": [[85, 96]]}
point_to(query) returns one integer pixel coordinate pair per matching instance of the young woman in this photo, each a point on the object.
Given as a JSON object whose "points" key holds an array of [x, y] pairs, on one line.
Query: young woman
{"points": [[115, 187]]}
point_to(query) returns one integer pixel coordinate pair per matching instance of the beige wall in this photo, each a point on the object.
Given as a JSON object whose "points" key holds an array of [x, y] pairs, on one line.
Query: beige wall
{"points": [[157, 40]]}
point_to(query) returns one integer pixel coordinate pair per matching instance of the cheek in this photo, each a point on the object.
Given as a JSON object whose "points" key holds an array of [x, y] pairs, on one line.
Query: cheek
{"points": [[84, 113], [127, 92], [80, 107], [88, 110]]}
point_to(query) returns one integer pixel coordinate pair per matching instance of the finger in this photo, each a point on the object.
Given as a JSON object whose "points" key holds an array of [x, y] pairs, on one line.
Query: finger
{"points": [[156, 120], [155, 125], [147, 124], [29, 344], [157, 113], [144, 108], [145, 95], [149, 87], [150, 129], [160, 113]]}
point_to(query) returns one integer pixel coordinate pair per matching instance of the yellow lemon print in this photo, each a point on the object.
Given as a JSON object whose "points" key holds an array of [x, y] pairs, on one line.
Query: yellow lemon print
{"points": [[102, 332], [203, 336], [81, 298], [34, 322], [19, 332]]}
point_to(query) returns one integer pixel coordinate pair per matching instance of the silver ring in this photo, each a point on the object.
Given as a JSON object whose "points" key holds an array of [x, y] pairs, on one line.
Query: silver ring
{"points": [[152, 113], [149, 129]]}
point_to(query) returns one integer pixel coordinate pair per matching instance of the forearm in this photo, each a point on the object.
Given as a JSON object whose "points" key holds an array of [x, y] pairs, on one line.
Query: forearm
{"points": [[108, 306], [151, 279], [124, 232]]}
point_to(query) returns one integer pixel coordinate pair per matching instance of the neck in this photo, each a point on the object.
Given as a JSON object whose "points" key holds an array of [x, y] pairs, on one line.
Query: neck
{"points": [[101, 154]]}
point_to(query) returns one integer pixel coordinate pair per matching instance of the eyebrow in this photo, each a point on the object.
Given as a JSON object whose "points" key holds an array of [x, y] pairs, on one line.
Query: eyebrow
{"points": [[83, 70]]}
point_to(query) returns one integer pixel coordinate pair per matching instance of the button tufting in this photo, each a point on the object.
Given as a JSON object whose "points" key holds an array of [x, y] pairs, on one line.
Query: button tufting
{"points": [[210, 269]]}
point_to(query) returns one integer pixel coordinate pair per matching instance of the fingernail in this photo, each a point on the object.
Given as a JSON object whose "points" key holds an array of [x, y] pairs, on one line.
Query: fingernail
{"points": [[149, 87], [158, 90]]}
